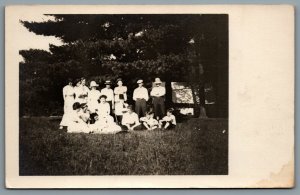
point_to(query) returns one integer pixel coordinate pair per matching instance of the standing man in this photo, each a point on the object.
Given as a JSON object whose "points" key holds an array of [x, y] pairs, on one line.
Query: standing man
{"points": [[140, 96], [158, 93], [109, 93]]}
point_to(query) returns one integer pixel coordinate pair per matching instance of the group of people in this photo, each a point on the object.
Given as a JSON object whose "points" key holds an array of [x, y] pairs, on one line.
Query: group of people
{"points": [[89, 110]]}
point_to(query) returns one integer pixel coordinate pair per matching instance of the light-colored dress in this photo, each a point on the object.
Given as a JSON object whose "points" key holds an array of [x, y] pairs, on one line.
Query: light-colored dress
{"points": [[77, 124], [81, 94], [105, 125], [119, 103], [103, 109], [93, 97], [68, 94]]}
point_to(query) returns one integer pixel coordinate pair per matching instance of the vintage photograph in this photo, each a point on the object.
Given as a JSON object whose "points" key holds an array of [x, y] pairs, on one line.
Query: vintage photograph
{"points": [[124, 94], [149, 96]]}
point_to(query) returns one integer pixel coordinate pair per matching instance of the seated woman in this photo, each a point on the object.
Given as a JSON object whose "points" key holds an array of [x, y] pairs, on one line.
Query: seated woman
{"points": [[130, 120], [103, 108], [105, 125], [148, 122], [169, 121], [79, 119]]}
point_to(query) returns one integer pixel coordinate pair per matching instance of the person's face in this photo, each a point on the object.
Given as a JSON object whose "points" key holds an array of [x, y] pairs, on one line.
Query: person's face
{"points": [[120, 83], [78, 84], [140, 84], [148, 116], [169, 113], [102, 100], [85, 108], [157, 84], [96, 118], [93, 88], [83, 82], [70, 83], [108, 86], [130, 111]]}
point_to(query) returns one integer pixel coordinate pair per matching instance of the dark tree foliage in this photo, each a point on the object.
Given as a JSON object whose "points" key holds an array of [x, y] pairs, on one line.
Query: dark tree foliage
{"points": [[130, 46]]}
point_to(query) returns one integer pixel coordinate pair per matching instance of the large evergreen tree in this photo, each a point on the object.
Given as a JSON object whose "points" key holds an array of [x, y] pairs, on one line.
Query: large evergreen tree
{"points": [[192, 48]]}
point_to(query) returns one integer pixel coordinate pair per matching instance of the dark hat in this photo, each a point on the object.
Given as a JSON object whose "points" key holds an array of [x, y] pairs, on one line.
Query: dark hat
{"points": [[170, 110], [76, 105], [77, 80], [102, 96]]}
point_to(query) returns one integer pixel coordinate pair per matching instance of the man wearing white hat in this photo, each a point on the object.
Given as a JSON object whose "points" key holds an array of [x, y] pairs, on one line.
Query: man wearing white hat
{"points": [[93, 97], [140, 96], [158, 93], [109, 93]]}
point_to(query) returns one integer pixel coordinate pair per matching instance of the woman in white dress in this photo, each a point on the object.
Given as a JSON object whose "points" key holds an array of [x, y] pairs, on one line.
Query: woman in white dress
{"points": [[68, 96], [103, 108], [104, 123], [81, 91], [93, 97], [120, 99], [79, 119]]}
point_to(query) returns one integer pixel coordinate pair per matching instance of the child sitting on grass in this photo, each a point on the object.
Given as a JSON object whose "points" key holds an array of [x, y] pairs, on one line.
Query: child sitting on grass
{"points": [[148, 122], [130, 120], [169, 121]]}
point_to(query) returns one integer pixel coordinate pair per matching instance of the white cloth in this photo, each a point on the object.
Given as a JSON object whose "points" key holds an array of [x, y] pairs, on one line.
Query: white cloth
{"points": [[150, 121], [81, 94], [120, 108], [140, 93], [77, 125], [68, 95], [158, 91], [129, 119], [170, 118], [120, 90], [93, 97], [103, 109], [105, 125], [109, 94]]}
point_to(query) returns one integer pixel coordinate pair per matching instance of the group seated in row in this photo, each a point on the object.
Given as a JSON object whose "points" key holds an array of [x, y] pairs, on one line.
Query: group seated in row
{"points": [[100, 121]]}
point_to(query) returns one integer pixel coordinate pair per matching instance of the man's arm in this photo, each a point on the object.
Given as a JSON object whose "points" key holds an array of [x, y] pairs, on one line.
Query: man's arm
{"points": [[146, 94], [134, 95]]}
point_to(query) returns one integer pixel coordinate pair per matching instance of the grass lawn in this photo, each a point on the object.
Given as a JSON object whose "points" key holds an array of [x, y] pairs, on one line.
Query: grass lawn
{"points": [[195, 147]]}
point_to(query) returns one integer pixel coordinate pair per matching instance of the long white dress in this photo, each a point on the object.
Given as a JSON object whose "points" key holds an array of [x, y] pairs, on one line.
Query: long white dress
{"points": [[93, 97], [119, 103], [68, 94]]}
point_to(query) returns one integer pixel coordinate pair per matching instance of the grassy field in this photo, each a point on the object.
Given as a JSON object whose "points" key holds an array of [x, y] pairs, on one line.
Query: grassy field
{"points": [[195, 147]]}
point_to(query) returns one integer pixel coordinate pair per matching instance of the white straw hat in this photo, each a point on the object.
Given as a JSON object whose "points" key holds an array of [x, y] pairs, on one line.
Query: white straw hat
{"points": [[93, 84], [139, 81], [157, 80]]}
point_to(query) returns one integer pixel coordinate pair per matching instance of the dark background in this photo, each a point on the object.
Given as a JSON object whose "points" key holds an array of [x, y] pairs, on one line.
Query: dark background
{"points": [[163, 50]]}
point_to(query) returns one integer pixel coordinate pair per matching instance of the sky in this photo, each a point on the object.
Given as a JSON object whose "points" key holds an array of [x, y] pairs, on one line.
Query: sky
{"points": [[33, 41]]}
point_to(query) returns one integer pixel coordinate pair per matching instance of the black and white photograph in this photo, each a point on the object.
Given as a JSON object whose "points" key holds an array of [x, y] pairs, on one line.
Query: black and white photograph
{"points": [[125, 94], [149, 96]]}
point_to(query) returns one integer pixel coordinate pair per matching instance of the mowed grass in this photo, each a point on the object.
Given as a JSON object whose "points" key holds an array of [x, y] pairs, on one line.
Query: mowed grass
{"points": [[195, 147]]}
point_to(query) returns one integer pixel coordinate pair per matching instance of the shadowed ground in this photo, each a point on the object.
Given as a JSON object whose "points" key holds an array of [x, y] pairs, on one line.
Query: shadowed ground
{"points": [[195, 147]]}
